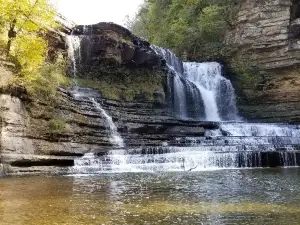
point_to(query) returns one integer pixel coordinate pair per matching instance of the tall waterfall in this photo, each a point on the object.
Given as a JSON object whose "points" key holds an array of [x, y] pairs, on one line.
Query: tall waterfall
{"points": [[200, 88], [185, 97], [74, 55], [216, 91]]}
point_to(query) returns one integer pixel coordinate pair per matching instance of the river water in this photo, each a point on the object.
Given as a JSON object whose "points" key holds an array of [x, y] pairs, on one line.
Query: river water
{"points": [[256, 196]]}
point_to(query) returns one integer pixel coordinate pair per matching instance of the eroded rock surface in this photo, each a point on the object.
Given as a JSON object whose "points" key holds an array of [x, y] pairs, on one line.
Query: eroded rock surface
{"points": [[266, 34]]}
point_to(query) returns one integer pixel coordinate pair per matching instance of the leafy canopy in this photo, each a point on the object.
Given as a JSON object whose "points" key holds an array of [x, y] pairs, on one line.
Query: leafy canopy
{"points": [[191, 28], [24, 24]]}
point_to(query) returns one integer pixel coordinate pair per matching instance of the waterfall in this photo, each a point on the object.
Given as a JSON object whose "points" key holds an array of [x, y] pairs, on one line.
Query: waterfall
{"points": [[74, 55], [186, 99], [199, 90], [115, 137], [233, 145], [217, 92]]}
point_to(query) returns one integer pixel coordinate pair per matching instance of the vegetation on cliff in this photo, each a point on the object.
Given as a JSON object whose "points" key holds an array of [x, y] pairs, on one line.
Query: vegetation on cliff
{"points": [[23, 30], [193, 29]]}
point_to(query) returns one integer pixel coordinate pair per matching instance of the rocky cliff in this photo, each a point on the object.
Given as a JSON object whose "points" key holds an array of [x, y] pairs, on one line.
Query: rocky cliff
{"points": [[39, 136], [267, 36]]}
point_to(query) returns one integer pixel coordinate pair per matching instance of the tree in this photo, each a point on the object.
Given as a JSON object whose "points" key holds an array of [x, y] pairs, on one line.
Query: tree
{"points": [[193, 28], [25, 17], [25, 23]]}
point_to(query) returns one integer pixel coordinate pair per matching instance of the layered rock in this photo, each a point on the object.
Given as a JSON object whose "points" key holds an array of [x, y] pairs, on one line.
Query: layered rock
{"points": [[29, 145], [39, 136], [266, 35]]}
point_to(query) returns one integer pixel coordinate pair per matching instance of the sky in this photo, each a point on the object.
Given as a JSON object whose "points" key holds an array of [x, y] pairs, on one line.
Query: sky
{"points": [[93, 11]]}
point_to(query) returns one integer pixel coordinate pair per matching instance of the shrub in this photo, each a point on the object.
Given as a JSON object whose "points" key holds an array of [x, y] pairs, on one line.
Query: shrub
{"points": [[57, 126], [43, 82], [247, 75]]}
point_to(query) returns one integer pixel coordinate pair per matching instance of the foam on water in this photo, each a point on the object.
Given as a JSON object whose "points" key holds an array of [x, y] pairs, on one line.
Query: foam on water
{"points": [[198, 91]]}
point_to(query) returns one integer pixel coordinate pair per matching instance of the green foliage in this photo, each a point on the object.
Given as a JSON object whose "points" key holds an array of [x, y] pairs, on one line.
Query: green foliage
{"points": [[43, 82], [24, 24], [195, 28], [246, 74], [30, 52], [127, 87], [57, 126]]}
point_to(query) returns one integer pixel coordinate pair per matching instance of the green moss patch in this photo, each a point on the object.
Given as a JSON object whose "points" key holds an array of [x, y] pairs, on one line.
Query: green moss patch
{"points": [[128, 86]]}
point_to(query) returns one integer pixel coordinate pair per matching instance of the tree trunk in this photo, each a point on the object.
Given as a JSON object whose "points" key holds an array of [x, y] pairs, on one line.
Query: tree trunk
{"points": [[11, 34]]}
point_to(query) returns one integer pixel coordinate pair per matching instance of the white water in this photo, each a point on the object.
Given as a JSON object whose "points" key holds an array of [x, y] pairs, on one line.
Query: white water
{"points": [[209, 80], [233, 145], [216, 92], [206, 77], [74, 55], [115, 137], [175, 66], [256, 130]]}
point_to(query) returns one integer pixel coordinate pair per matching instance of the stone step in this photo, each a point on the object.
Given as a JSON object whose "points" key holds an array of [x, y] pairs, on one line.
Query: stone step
{"points": [[196, 141], [216, 148], [189, 161]]}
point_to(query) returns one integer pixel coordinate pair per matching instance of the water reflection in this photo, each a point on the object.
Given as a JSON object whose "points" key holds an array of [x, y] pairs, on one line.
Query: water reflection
{"points": [[219, 197]]}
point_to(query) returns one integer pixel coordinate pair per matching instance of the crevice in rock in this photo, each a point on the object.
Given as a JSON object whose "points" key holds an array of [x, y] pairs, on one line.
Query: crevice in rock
{"points": [[295, 10], [44, 162], [66, 154], [294, 28]]}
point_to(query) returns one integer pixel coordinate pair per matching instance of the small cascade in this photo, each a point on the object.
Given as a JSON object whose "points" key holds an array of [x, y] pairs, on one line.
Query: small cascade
{"points": [[117, 156], [232, 145], [115, 137], [73, 43]]}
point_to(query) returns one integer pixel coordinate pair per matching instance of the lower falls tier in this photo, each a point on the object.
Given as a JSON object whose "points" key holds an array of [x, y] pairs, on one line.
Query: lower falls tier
{"points": [[187, 161], [232, 145]]}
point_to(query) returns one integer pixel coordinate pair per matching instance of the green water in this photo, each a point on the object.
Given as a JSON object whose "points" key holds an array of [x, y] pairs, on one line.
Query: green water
{"points": [[218, 197]]}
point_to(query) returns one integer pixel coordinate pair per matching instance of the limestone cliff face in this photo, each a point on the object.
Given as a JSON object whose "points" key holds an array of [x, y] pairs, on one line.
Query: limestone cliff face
{"points": [[267, 35]]}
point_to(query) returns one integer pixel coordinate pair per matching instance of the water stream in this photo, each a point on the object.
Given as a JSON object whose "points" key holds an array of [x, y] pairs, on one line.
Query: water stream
{"points": [[74, 55], [198, 92]]}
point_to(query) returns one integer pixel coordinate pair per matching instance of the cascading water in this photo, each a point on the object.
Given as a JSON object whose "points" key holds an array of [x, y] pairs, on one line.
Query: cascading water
{"points": [[198, 91], [115, 137], [217, 92], [73, 43], [116, 158], [118, 155], [185, 97], [200, 85]]}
